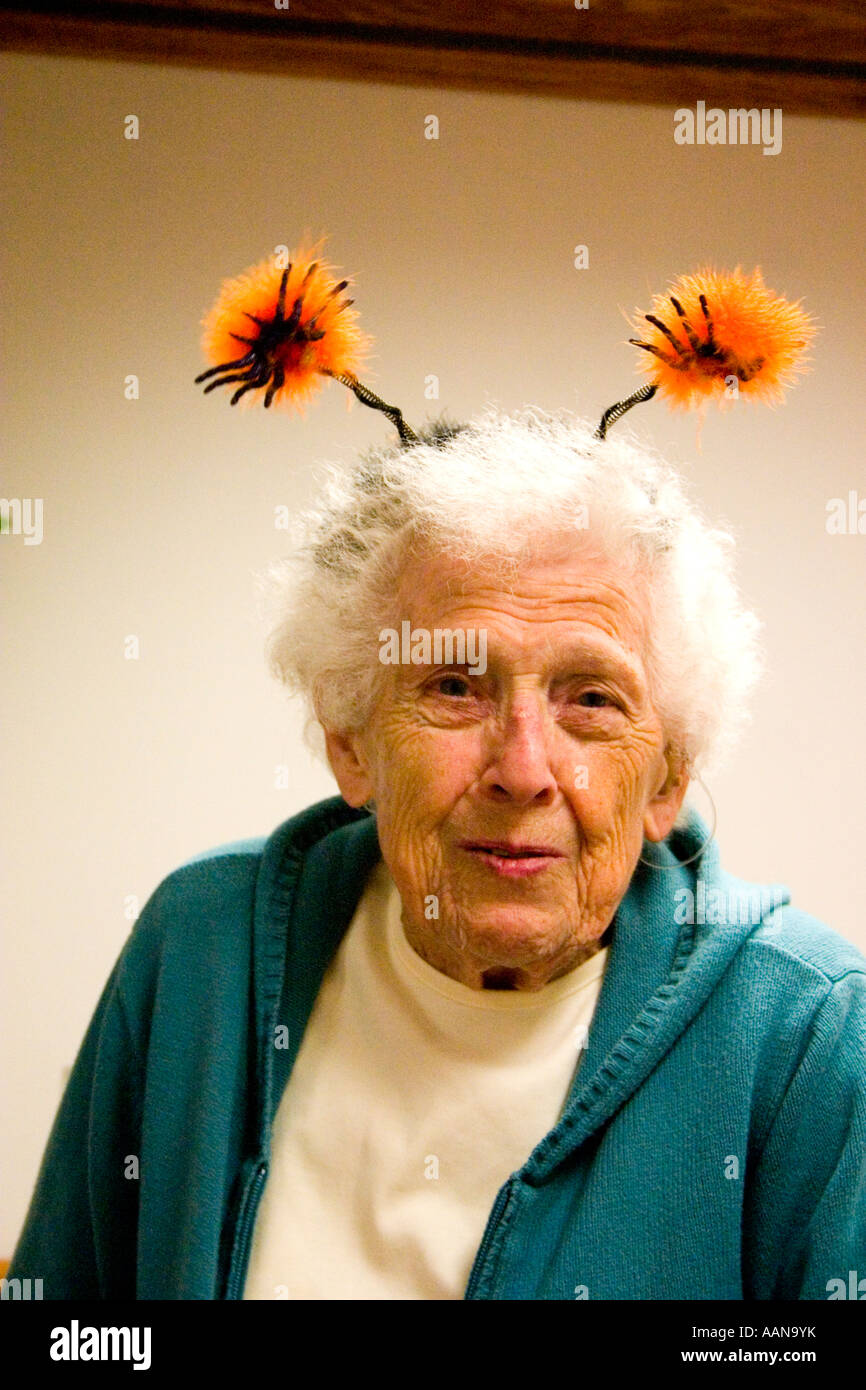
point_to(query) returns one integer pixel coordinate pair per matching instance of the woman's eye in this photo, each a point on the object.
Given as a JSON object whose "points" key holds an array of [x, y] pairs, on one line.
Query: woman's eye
{"points": [[594, 699], [451, 685]]}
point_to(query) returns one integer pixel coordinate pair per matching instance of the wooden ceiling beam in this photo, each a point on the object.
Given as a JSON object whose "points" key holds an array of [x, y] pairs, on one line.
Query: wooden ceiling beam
{"points": [[805, 58]]}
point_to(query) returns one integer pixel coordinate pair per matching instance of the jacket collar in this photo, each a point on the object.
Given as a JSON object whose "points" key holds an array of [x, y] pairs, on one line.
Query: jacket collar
{"points": [[659, 974], [311, 878]]}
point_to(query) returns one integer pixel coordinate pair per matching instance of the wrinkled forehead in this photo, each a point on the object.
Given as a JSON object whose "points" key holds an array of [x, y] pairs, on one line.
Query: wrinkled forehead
{"points": [[562, 592]]}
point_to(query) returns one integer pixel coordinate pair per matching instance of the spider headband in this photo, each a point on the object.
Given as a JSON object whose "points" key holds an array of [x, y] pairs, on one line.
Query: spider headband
{"points": [[277, 330]]}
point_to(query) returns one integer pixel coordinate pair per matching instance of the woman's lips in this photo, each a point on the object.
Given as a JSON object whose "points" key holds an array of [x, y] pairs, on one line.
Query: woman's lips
{"points": [[512, 861]]}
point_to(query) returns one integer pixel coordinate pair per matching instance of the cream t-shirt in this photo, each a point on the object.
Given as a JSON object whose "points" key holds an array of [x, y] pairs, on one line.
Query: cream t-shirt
{"points": [[412, 1100]]}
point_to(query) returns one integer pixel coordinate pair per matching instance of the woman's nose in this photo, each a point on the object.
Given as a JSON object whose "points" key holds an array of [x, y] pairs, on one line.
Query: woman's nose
{"points": [[520, 753]]}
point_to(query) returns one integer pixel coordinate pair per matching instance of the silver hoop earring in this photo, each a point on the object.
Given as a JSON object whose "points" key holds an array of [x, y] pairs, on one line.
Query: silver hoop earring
{"points": [[697, 854]]}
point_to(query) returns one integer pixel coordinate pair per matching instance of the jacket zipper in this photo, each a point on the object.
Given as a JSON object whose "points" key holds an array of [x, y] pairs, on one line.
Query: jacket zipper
{"points": [[243, 1240], [493, 1220]]}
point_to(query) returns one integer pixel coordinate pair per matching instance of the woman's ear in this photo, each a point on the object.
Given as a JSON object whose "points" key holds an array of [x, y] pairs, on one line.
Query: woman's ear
{"points": [[663, 807], [349, 766]]}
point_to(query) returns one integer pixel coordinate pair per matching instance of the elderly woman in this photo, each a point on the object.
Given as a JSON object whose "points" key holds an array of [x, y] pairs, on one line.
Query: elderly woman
{"points": [[493, 1024]]}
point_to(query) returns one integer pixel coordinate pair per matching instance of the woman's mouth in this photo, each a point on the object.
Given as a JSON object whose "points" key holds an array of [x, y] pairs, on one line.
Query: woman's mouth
{"points": [[512, 860]]}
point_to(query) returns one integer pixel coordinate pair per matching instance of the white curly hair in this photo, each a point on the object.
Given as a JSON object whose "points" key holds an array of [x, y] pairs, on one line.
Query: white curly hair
{"points": [[493, 490]]}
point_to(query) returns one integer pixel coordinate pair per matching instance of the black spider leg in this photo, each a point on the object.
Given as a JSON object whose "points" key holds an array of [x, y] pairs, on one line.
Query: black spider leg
{"points": [[279, 312], [283, 329], [614, 412], [657, 352], [260, 379], [678, 363], [712, 345], [254, 367], [250, 360], [674, 342], [313, 333], [279, 378], [244, 361], [368, 397], [697, 345], [281, 297]]}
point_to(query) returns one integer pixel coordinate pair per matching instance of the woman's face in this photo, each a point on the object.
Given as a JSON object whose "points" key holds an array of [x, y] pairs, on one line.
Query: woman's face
{"points": [[553, 756]]}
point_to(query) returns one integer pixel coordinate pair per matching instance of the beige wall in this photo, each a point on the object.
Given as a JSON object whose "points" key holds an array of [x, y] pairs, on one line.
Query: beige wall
{"points": [[158, 511]]}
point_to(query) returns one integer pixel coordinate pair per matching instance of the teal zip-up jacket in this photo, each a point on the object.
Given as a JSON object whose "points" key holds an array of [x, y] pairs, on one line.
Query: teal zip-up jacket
{"points": [[713, 1144]]}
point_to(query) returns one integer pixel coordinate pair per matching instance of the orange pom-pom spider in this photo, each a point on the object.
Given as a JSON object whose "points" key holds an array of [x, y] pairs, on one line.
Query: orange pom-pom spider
{"points": [[729, 331], [707, 356], [269, 356], [291, 350]]}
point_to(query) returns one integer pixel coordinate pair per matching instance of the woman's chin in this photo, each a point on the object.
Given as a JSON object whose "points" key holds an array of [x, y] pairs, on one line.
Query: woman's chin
{"points": [[509, 938]]}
